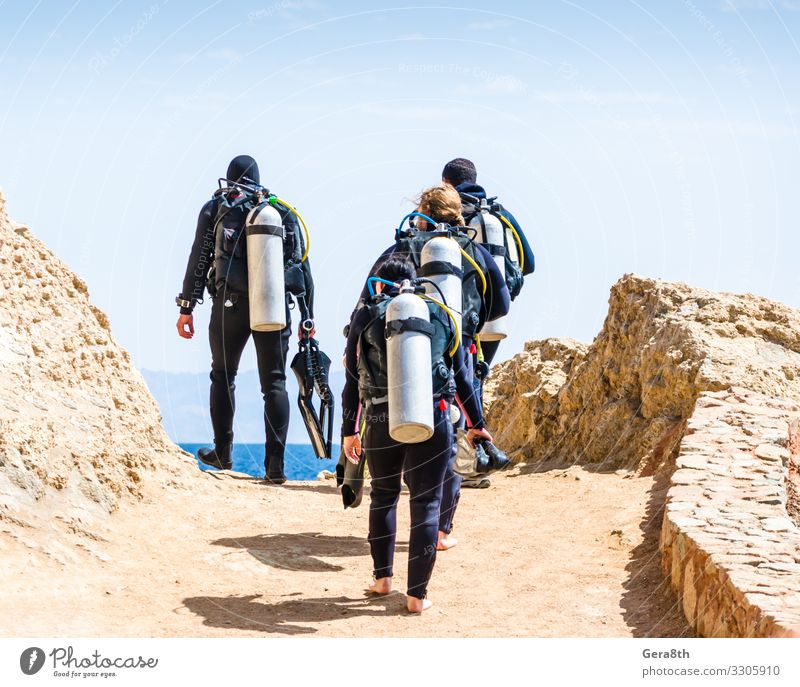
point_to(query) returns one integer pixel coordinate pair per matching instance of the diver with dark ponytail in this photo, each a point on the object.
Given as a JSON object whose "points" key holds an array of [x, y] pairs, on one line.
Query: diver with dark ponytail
{"points": [[366, 425]]}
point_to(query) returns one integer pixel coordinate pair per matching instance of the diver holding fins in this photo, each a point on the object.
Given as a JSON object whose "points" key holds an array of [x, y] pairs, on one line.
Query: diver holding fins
{"points": [[404, 364], [485, 300], [251, 256], [500, 233]]}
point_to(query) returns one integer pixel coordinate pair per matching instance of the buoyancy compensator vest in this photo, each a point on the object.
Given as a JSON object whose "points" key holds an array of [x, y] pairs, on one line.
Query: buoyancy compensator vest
{"points": [[230, 266], [409, 244], [373, 364], [482, 215]]}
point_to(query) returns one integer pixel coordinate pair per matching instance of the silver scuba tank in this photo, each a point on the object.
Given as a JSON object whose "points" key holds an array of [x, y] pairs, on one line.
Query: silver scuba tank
{"points": [[408, 360], [491, 233], [440, 261], [264, 229]]}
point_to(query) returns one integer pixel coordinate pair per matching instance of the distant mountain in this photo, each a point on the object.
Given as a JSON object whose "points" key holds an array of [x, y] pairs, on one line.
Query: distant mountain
{"points": [[183, 399]]}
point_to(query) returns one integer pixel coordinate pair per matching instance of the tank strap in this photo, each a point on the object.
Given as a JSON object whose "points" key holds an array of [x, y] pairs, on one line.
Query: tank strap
{"points": [[268, 229], [259, 209], [437, 267], [493, 249], [410, 324]]}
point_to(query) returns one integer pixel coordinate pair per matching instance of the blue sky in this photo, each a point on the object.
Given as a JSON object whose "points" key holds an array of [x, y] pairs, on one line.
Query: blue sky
{"points": [[648, 137]]}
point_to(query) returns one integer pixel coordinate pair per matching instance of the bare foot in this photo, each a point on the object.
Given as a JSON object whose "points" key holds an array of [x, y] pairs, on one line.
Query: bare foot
{"points": [[445, 542], [380, 586], [415, 605]]}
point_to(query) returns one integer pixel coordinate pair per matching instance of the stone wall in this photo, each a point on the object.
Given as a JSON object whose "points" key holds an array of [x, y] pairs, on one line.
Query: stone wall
{"points": [[623, 400], [729, 547]]}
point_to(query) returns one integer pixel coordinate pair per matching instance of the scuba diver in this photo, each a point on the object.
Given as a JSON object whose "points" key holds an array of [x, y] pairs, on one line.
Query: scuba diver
{"points": [[444, 205], [462, 175], [249, 253], [510, 248], [482, 297], [404, 363]]}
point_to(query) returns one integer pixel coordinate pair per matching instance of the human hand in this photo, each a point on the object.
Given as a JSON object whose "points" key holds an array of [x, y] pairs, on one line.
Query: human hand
{"points": [[185, 326], [475, 434], [352, 448]]}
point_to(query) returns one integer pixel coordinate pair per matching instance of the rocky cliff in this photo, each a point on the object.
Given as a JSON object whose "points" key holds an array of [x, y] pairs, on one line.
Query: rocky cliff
{"points": [[623, 400], [78, 427]]}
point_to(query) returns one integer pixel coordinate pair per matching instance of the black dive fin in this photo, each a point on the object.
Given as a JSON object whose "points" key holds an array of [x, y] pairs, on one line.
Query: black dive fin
{"points": [[311, 367], [351, 479]]}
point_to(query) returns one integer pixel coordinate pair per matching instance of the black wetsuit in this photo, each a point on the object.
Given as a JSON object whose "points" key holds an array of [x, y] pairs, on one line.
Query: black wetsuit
{"points": [[229, 330], [498, 303], [489, 348], [422, 465]]}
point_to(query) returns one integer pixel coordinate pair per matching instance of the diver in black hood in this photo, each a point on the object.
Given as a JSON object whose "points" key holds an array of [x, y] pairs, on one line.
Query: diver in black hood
{"points": [[218, 262]]}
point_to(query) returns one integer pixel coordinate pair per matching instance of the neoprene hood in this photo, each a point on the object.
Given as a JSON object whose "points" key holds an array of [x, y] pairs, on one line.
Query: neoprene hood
{"points": [[243, 169]]}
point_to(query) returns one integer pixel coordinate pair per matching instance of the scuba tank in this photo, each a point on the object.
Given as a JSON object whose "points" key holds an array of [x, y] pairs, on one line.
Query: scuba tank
{"points": [[478, 212], [408, 361], [265, 266], [492, 234], [410, 244], [440, 263]]}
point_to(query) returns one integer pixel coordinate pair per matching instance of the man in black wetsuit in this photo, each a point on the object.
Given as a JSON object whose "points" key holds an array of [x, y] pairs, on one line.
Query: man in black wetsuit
{"points": [[462, 175], [220, 241]]}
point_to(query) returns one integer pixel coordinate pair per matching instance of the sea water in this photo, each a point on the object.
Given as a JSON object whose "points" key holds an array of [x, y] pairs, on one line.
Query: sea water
{"points": [[299, 461]]}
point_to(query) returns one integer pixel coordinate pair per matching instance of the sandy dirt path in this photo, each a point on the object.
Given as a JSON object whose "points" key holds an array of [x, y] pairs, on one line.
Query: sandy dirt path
{"points": [[564, 552]]}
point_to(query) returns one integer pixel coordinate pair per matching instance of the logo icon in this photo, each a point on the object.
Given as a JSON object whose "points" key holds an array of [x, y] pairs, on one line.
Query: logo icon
{"points": [[31, 660]]}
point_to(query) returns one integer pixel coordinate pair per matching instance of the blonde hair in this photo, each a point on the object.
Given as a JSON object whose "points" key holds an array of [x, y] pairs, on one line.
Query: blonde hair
{"points": [[443, 204]]}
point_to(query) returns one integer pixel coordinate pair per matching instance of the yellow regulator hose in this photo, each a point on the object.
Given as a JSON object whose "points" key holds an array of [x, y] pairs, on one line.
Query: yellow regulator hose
{"points": [[452, 317], [293, 210], [477, 269], [517, 240]]}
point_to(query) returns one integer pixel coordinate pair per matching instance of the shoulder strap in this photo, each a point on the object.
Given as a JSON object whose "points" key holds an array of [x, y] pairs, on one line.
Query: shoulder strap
{"points": [[409, 324], [223, 208], [437, 267]]}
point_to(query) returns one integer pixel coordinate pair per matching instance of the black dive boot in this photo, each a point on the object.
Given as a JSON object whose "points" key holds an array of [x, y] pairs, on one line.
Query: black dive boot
{"points": [[497, 457], [483, 463], [274, 470], [217, 457]]}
